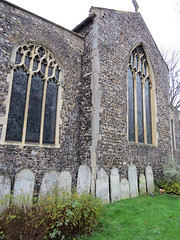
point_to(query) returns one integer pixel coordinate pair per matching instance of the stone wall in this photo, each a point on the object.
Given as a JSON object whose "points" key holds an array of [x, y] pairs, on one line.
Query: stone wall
{"points": [[18, 27], [117, 34], [175, 128]]}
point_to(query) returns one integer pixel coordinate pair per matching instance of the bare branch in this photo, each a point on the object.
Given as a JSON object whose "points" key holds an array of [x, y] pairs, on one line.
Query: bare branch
{"points": [[172, 59]]}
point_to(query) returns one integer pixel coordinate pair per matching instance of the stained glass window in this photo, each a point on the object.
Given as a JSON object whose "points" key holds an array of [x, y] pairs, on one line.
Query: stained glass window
{"points": [[17, 106], [50, 113], [148, 110], [33, 104], [140, 109], [34, 110], [139, 98], [131, 105]]}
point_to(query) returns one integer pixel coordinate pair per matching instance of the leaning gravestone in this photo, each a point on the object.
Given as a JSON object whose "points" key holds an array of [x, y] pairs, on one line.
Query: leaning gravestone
{"points": [[5, 188], [102, 186], [149, 179], [84, 179], [114, 185], [142, 184], [133, 183], [64, 184], [124, 188], [23, 187], [49, 183]]}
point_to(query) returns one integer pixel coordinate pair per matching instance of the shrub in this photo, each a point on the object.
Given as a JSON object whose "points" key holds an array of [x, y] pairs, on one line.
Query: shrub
{"points": [[53, 217], [172, 188], [171, 180], [171, 171]]}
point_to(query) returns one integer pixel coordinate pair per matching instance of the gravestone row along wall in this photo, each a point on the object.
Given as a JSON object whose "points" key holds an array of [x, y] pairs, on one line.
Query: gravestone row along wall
{"points": [[107, 187]]}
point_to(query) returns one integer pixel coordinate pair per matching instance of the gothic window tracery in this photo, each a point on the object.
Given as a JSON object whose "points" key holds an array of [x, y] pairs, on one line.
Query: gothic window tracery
{"points": [[33, 104], [139, 98]]}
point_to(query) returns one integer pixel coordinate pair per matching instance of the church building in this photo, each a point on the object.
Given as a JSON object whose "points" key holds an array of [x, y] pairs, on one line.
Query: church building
{"points": [[96, 95]]}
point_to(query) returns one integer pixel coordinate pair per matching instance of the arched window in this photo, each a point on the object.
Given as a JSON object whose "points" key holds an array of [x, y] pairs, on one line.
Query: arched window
{"points": [[139, 98], [33, 104]]}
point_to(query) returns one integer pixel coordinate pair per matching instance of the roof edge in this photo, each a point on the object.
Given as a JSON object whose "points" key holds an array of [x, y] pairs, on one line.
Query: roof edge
{"points": [[83, 24], [44, 19], [93, 14]]}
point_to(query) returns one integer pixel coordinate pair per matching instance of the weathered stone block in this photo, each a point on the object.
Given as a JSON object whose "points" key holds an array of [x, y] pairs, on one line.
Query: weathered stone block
{"points": [[133, 183], [5, 188], [50, 182], [114, 185], [102, 186], [65, 182], [84, 179], [124, 188], [149, 179], [24, 187], [142, 184]]}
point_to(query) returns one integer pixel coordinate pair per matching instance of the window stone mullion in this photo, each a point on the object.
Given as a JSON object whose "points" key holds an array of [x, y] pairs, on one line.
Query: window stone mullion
{"points": [[28, 96]]}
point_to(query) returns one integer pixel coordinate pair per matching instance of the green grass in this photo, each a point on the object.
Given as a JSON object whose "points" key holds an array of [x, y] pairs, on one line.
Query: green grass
{"points": [[140, 218]]}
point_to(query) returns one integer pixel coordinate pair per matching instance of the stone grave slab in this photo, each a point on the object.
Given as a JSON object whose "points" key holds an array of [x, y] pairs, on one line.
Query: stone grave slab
{"points": [[124, 189], [5, 189], [102, 186], [84, 179], [50, 181], [133, 183], [149, 179], [65, 181], [142, 184], [24, 187], [114, 185]]}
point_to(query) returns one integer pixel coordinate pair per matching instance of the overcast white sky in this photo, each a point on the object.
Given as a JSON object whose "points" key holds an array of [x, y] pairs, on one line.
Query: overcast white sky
{"points": [[161, 16]]}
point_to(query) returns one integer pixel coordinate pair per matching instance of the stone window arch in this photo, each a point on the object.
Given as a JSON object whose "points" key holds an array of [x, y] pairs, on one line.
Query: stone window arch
{"points": [[35, 90], [141, 99]]}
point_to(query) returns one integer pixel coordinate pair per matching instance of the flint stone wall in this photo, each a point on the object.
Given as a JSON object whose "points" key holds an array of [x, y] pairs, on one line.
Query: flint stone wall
{"points": [[19, 26], [175, 116], [118, 33]]}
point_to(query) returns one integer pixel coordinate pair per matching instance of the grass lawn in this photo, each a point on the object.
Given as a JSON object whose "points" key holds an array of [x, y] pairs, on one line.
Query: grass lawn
{"points": [[140, 218]]}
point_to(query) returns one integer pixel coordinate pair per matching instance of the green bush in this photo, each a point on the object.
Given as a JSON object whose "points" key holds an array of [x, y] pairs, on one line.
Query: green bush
{"points": [[53, 217], [172, 188], [171, 179], [171, 171]]}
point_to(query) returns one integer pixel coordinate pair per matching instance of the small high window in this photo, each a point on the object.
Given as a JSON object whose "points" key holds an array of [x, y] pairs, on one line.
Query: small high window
{"points": [[139, 98], [33, 105]]}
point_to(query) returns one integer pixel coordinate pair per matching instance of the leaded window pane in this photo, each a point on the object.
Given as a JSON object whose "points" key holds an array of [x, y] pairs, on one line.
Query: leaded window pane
{"points": [[35, 65], [131, 105], [34, 112], [18, 57], [27, 61], [50, 70], [17, 106], [50, 112], [136, 62], [140, 109], [132, 59], [43, 67], [148, 111]]}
